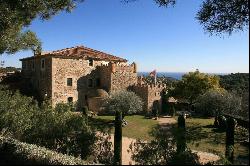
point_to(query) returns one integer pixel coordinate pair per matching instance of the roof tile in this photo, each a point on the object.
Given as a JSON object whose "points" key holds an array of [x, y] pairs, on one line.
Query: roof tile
{"points": [[81, 52]]}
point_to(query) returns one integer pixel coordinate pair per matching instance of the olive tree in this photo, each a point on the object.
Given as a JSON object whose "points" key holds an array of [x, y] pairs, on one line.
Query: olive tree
{"points": [[123, 101], [213, 103]]}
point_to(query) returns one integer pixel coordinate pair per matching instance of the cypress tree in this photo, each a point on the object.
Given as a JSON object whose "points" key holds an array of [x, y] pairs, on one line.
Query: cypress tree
{"points": [[231, 123], [181, 135], [181, 122], [118, 139]]}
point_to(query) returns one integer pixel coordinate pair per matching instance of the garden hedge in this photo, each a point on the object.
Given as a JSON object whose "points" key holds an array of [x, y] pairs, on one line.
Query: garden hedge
{"points": [[32, 154]]}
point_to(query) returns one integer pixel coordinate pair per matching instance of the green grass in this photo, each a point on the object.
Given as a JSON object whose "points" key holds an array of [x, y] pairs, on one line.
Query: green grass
{"points": [[138, 126], [203, 137]]}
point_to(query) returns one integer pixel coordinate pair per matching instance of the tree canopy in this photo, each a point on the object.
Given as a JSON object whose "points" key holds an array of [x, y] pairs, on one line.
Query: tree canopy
{"points": [[193, 85], [238, 82], [126, 102], [17, 15], [213, 103]]}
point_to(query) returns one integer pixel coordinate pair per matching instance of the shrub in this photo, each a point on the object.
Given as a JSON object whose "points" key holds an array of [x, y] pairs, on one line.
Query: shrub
{"points": [[213, 103], [161, 151], [156, 152], [58, 129], [184, 158], [28, 153]]}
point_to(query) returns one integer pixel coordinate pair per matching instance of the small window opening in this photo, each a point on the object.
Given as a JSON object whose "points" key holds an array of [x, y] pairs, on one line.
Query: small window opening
{"points": [[69, 81], [70, 99]]}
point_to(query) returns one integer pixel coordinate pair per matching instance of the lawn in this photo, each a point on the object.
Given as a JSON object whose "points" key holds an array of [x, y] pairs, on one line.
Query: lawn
{"points": [[138, 126], [203, 137]]}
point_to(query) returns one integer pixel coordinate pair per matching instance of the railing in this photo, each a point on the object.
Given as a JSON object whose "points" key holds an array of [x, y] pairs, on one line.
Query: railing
{"points": [[240, 121]]}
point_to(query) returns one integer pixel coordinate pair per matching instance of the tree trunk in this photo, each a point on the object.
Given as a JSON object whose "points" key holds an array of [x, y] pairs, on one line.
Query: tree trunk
{"points": [[118, 139]]}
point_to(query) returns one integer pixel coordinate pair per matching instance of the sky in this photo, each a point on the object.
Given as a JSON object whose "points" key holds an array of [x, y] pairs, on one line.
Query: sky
{"points": [[165, 39]]}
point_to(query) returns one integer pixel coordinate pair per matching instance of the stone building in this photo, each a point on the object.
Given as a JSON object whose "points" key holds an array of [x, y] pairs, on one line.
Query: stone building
{"points": [[86, 76]]}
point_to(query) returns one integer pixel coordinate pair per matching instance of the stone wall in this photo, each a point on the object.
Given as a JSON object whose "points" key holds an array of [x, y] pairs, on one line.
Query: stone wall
{"points": [[150, 94], [155, 95], [81, 73], [116, 76], [52, 80], [122, 76], [142, 92]]}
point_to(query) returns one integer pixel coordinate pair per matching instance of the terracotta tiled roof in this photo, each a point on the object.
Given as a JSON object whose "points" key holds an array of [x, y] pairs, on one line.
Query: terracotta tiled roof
{"points": [[81, 52]]}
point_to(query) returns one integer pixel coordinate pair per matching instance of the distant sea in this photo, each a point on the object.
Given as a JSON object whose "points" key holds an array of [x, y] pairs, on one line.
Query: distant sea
{"points": [[174, 75]]}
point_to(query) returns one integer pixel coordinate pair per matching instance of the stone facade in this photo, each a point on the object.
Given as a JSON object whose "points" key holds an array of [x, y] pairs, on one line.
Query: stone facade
{"points": [[150, 94], [39, 75], [71, 75]]}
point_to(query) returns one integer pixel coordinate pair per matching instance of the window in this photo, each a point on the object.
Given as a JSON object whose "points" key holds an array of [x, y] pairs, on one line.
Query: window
{"points": [[91, 62], [70, 99], [69, 81], [42, 63], [90, 83], [98, 82]]}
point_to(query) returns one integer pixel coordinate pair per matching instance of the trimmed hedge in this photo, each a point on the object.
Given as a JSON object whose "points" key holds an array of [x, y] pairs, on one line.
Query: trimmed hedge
{"points": [[29, 153]]}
